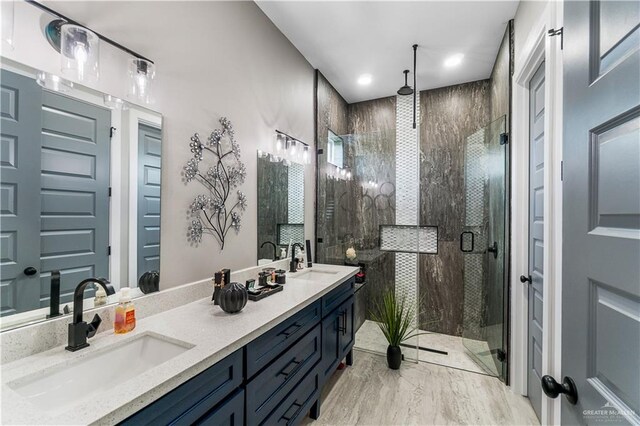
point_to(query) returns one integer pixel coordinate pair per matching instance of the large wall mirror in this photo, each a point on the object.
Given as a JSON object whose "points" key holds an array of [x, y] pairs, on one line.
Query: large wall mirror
{"points": [[280, 207], [80, 194]]}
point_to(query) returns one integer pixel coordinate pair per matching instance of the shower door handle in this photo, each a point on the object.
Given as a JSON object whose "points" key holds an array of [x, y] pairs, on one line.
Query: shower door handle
{"points": [[462, 242], [493, 249]]}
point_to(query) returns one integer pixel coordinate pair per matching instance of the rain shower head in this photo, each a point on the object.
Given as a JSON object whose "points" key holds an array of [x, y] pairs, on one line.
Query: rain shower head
{"points": [[406, 89]]}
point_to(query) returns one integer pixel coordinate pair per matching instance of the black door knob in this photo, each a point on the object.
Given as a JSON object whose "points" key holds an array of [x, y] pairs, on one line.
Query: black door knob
{"points": [[552, 389], [30, 270], [525, 278]]}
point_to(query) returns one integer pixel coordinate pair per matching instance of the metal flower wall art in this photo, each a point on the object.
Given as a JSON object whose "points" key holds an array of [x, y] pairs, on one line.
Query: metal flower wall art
{"points": [[219, 209]]}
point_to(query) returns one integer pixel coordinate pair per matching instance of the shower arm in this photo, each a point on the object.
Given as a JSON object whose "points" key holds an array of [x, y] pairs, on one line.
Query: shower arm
{"points": [[415, 88]]}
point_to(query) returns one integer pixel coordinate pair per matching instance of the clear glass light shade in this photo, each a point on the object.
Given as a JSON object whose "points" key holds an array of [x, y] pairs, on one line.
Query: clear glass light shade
{"points": [[79, 53], [53, 82], [306, 158], [141, 75], [280, 142], [115, 103], [292, 150], [7, 16]]}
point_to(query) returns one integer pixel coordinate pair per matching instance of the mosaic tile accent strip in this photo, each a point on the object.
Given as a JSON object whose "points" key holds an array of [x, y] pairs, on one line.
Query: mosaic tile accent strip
{"points": [[411, 239], [296, 193], [407, 196]]}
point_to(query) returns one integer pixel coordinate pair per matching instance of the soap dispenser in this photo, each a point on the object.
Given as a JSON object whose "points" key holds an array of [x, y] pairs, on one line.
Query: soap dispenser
{"points": [[125, 318]]}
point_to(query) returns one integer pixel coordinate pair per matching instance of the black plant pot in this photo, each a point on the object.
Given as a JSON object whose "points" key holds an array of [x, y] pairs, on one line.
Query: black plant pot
{"points": [[394, 357]]}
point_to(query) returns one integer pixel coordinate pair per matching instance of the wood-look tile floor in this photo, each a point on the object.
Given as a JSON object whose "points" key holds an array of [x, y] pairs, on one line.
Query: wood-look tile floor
{"points": [[369, 393]]}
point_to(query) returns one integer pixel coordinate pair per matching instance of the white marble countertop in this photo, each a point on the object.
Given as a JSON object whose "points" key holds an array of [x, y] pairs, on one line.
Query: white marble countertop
{"points": [[214, 333]]}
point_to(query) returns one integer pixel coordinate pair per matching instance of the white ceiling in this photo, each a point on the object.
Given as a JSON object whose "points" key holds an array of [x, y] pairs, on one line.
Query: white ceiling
{"points": [[349, 38]]}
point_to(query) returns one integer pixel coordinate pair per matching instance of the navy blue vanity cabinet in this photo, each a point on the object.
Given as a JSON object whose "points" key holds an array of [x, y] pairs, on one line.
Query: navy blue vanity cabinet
{"points": [[267, 390], [265, 348], [195, 398], [297, 404], [338, 337], [230, 413]]}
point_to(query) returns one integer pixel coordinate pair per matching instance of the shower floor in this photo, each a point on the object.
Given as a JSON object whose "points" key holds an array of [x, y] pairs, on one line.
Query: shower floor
{"points": [[370, 338]]}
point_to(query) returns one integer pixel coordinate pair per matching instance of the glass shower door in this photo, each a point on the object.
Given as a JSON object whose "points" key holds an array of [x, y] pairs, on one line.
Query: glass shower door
{"points": [[483, 243]]}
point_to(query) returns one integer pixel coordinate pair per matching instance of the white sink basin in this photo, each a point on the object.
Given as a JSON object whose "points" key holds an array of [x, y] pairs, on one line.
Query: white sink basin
{"points": [[313, 275], [57, 389]]}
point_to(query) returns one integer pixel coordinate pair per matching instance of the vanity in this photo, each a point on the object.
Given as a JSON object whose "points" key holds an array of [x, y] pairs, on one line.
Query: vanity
{"points": [[199, 365]]}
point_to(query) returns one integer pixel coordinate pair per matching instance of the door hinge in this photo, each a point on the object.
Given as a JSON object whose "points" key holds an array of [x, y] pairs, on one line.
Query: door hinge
{"points": [[501, 355], [561, 171], [112, 131], [320, 151], [504, 138], [108, 250], [109, 191], [560, 31]]}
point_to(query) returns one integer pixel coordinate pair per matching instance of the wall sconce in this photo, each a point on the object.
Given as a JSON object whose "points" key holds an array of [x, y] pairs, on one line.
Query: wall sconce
{"points": [[141, 75], [79, 53], [53, 82]]}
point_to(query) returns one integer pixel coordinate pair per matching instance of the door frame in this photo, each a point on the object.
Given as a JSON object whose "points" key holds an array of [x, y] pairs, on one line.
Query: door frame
{"points": [[538, 48]]}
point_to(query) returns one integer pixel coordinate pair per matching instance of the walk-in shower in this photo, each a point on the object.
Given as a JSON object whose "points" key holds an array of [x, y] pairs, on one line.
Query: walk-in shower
{"points": [[424, 208]]}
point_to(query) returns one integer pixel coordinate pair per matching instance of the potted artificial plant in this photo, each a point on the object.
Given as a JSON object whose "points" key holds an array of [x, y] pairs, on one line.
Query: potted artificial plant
{"points": [[394, 319]]}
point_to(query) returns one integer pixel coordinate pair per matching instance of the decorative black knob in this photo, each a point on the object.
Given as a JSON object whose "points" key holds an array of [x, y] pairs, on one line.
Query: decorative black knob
{"points": [[552, 388], [30, 270], [525, 278]]}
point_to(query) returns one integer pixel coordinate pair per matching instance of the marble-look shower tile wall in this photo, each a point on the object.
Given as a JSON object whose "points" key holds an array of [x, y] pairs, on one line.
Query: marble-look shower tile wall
{"points": [[448, 115], [372, 126], [271, 209]]}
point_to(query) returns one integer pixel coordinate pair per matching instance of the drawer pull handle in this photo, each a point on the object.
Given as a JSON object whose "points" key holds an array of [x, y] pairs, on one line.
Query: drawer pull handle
{"points": [[343, 328], [288, 418], [287, 331], [286, 373]]}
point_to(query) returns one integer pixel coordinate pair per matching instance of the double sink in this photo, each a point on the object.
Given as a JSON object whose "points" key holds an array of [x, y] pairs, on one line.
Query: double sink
{"points": [[60, 387]]}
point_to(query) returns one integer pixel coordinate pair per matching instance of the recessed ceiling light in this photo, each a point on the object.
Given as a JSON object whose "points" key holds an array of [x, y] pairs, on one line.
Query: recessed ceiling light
{"points": [[365, 79], [453, 60]]}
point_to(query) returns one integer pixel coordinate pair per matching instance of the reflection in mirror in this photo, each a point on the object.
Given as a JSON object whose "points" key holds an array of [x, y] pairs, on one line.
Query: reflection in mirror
{"points": [[80, 196], [280, 207], [335, 150]]}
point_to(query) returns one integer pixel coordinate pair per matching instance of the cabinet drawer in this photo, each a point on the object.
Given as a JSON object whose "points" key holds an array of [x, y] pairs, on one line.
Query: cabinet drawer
{"points": [[337, 296], [229, 413], [191, 400], [265, 348], [296, 405], [269, 387]]}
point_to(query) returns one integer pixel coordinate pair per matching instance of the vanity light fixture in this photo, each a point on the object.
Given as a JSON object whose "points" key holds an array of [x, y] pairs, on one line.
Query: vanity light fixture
{"points": [[79, 51], [53, 82], [289, 148]]}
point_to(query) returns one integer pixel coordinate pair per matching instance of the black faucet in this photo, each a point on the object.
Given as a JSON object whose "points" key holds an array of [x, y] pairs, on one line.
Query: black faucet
{"points": [[54, 295], [80, 331], [293, 266], [275, 256]]}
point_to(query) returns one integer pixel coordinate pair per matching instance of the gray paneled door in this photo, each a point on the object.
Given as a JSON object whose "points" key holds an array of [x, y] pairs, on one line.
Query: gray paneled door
{"points": [[149, 175], [536, 241], [74, 191], [19, 198], [601, 211]]}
